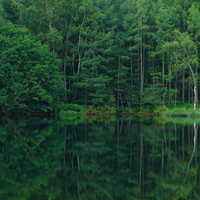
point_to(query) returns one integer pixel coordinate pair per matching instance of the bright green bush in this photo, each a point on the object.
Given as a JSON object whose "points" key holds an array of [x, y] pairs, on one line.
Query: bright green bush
{"points": [[160, 109], [72, 107]]}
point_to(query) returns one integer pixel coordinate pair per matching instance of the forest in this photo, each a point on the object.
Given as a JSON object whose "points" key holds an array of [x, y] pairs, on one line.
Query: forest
{"points": [[125, 54]]}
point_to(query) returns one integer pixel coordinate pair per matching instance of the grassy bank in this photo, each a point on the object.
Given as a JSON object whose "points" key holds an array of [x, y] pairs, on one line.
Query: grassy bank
{"points": [[106, 110], [70, 110], [182, 112]]}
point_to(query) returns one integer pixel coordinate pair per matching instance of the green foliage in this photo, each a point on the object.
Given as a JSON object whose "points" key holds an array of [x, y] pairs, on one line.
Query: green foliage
{"points": [[128, 110], [106, 110], [54, 38], [29, 73], [154, 95], [2, 17], [71, 111], [182, 112], [68, 112], [73, 107], [146, 109], [11, 9], [160, 109], [119, 53]]}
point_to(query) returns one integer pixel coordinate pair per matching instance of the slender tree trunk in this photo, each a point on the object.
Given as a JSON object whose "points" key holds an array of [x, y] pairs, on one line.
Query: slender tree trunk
{"points": [[175, 95], [65, 80], [119, 98], [131, 65], [195, 87], [20, 12], [163, 71], [79, 52], [183, 87], [79, 43], [131, 71], [189, 93], [197, 68], [141, 71], [121, 102], [169, 83]]}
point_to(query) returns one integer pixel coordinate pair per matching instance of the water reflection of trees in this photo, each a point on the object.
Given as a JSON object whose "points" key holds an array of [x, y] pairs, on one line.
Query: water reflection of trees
{"points": [[121, 159], [29, 153], [179, 161], [136, 160]]}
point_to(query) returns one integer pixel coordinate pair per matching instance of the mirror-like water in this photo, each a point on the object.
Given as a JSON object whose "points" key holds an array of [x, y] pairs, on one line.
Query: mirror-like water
{"points": [[118, 159]]}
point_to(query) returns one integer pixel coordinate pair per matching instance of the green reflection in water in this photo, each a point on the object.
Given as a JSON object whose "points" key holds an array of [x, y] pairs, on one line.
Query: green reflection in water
{"points": [[99, 159]]}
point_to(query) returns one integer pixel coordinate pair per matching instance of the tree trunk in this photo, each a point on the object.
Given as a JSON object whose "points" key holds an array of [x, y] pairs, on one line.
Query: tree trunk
{"points": [[170, 84], [141, 71], [183, 87], [118, 85], [79, 53], [163, 71], [195, 87], [195, 96], [21, 13], [189, 94]]}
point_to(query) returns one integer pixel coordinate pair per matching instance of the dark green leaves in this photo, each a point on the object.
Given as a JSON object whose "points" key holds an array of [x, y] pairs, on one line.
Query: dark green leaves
{"points": [[29, 72]]}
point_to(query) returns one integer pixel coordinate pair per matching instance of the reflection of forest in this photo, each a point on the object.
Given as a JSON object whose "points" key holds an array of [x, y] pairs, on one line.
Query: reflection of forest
{"points": [[48, 159]]}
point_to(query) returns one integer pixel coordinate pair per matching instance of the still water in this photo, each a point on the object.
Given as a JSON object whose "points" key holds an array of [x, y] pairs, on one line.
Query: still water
{"points": [[99, 159]]}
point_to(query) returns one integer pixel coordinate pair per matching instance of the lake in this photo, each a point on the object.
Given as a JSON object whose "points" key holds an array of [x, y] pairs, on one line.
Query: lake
{"points": [[113, 158]]}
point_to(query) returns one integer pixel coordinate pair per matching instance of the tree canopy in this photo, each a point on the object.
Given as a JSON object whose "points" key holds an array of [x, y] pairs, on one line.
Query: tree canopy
{"points": [[88, 52]]}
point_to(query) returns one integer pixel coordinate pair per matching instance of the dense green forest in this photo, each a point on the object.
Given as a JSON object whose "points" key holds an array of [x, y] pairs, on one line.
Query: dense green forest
{"points": [[115, 53]]}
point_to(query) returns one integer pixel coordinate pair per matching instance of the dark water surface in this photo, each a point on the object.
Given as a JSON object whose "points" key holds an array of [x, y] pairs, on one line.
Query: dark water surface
{"points": [[105, 159]]}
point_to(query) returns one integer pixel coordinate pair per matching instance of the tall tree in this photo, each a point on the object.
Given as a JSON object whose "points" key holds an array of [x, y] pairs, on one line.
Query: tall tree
{"points": [[166, 20], [184, 56]]}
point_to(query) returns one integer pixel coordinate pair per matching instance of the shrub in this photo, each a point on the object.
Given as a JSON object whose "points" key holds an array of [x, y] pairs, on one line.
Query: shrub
{"points": [[72, 107], [106, 109], [160, 109]]}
